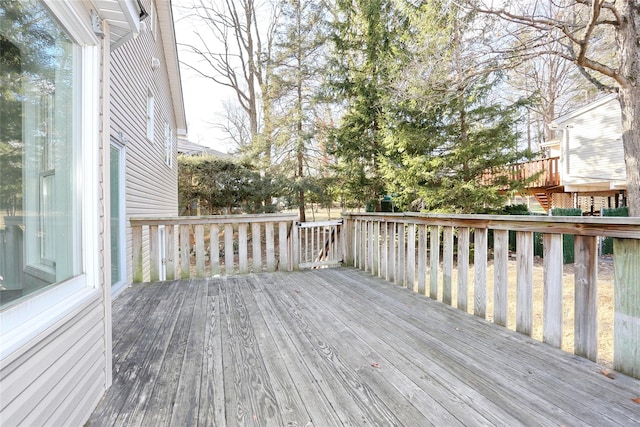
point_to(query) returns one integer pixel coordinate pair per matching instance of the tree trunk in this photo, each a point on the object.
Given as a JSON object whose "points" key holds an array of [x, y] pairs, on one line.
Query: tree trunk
{"points": [[628, 40]]}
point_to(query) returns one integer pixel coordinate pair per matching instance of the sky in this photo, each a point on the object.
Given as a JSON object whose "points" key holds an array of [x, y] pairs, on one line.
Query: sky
{"points": [[203, 98]]}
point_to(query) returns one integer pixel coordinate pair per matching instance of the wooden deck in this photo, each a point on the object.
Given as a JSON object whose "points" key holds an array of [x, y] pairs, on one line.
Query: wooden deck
{"points": [[337, 347]]}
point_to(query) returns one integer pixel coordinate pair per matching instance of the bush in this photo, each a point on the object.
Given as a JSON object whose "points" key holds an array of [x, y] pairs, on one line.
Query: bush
{"points": [[607, 243]]}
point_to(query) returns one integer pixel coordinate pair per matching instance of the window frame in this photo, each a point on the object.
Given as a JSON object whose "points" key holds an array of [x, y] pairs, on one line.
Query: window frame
{"points": [[23, 323]]}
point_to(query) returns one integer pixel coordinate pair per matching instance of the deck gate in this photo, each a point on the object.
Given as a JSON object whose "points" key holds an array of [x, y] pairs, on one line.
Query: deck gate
{"points": [[318, 244]]}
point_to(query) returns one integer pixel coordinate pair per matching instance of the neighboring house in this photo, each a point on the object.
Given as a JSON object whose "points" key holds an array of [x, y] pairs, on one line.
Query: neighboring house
{"points": [[187, 148], [89, 118], [585, 168], [590, 150]]}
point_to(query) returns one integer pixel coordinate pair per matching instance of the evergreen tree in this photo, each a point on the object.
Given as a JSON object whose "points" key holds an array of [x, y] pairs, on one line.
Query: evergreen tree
{"points": [[446, 131], [366, 46]]}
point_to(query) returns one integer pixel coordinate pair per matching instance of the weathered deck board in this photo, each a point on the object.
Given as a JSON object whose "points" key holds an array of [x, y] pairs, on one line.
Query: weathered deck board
{"points": [[337, 347]]}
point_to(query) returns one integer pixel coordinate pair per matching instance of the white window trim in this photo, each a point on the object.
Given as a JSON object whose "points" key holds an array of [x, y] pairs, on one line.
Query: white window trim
{"points": [[26, 321]]}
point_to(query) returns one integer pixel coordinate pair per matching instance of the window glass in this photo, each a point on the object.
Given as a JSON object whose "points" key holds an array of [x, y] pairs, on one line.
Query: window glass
{"points": [[39, 213]]}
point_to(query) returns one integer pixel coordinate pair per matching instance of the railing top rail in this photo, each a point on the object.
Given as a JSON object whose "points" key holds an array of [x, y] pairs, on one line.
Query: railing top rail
{"points": [[622, 227], [319, 223], [212, 219]]}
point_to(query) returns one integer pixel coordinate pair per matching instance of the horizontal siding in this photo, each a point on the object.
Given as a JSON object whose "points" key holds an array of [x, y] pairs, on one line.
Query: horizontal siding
{"points": [[61, 375], [595, 144], [151, 186]]}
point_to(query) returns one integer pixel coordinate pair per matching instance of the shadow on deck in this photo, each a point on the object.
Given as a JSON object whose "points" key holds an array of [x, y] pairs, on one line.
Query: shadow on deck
{"points": [[333, 347]]}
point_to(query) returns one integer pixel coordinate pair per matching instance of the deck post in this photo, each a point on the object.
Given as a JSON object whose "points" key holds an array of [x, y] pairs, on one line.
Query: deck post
{"points": [[626, 341], [586, 297], [348, 235]]}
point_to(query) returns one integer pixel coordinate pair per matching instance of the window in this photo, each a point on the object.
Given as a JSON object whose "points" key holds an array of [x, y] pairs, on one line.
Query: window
{"points": [[40, 217], [150, 116], [168, 145]]}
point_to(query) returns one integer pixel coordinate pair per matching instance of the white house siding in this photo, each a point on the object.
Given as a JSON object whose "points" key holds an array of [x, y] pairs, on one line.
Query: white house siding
{"points": [[595, 152], [59, 379], [151, 185]]}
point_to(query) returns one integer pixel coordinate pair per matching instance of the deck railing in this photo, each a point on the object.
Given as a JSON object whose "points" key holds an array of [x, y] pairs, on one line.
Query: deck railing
{"points": [[420, 252], [205, 246]]}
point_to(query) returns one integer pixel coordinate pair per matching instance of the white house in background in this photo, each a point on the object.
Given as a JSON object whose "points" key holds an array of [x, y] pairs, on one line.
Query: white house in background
{"points": [[188, 148], [590, 148], [90, 111]]}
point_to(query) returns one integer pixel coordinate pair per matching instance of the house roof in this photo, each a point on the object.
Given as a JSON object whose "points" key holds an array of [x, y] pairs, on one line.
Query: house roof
{"points": [[167, 28], [123, 17], [588, 107], [192, 149]]}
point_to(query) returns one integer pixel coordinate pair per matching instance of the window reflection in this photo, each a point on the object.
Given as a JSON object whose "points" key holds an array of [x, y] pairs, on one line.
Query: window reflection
{"points": [[39, 227]]}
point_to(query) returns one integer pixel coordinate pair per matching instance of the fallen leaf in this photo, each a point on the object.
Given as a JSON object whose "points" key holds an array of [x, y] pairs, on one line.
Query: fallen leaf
{"points": [[637, 400], [375, 365], [607, 373]]}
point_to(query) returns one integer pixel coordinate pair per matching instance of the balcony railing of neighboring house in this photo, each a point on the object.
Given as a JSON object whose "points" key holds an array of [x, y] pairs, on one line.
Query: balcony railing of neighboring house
{"points": [[403, 248], [203, 246], [545, 173]]}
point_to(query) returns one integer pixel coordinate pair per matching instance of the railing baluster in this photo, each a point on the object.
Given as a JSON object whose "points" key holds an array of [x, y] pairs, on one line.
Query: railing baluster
{"points": [[402, 259], [283, 251], [463, 268], [411, 256], [170, 245], [501, 276], [199, 235], [154, 253], [228, 249], [524, 282], [422, 259], [480, 272], [243, 255], [552, 309], [391, 264], [214, 249], [256, 245], [447, 264], [185, 251], [271, 250], [434, 262], [375, 241], [136, 242], [586, 297]]}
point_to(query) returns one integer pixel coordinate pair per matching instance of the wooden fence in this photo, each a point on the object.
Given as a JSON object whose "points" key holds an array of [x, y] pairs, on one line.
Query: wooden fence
{"points": [[414, 250]]}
